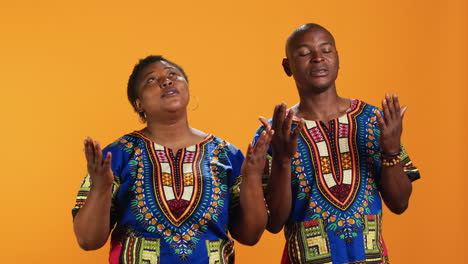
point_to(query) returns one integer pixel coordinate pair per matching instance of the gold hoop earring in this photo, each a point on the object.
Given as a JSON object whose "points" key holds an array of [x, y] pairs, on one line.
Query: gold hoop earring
{"points": [[197, 103]]}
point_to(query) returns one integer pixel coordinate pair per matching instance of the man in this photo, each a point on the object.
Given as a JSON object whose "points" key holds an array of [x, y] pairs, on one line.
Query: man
{"points": [[332, 161]]}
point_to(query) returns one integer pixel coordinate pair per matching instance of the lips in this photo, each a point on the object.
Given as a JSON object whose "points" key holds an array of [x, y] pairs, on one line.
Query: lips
{"points": [[169, 92], [319, 72]]}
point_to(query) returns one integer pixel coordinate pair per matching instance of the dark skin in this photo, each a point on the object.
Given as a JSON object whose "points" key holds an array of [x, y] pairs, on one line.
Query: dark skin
{"points": [[163, 96], [312, 59]]}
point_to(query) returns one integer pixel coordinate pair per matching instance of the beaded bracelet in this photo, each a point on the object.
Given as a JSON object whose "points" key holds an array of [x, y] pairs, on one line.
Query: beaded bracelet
{"points": [[390, 159]]}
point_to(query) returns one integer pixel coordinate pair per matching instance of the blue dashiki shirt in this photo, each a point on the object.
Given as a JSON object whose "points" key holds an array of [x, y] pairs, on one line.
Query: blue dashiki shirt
{"points": [[336, 214], [171, 207]]}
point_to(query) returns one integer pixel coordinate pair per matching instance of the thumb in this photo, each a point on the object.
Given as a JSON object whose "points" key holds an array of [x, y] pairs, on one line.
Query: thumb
{"points": [[403, 111]]}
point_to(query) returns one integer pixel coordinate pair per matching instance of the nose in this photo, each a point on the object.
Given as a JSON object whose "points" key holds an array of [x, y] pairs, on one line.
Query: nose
{"points": [[166, 83], [317, 57]]}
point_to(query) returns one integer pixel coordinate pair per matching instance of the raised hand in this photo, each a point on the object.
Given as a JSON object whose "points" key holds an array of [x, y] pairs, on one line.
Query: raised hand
{"points": [[391, 124], [284, 141], [99, 169], [255, 158]]}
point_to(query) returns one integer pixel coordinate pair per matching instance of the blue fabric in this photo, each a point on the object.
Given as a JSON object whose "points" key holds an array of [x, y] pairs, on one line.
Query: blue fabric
{"points": [[171, 207]]}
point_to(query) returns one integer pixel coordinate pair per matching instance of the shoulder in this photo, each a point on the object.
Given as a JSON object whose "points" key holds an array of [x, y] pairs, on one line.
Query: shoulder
{"points": [[127, 143], [223, 145], [363, 108]]}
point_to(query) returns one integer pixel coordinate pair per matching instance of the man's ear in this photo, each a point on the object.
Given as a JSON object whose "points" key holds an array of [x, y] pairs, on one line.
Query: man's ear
{"points": [[286, 67]]}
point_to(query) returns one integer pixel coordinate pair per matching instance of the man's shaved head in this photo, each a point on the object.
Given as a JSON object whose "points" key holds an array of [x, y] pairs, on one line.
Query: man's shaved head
{"points": [[301, 30]]}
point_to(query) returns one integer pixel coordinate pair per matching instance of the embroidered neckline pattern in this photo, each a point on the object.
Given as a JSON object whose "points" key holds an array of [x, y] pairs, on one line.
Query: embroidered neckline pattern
{"points": [[202, 197], [347, 205]]}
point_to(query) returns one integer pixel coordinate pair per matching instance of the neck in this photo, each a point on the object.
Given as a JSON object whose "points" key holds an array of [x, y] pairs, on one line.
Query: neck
{"points": [[168, 129], [322, 106]]}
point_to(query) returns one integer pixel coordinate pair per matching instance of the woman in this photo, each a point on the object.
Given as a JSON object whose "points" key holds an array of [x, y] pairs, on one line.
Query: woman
{"points": [[170, 193]]}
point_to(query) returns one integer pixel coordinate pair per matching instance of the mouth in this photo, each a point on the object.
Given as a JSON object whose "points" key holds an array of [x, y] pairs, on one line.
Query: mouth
{"points": [[168, 92], [319, 72]]}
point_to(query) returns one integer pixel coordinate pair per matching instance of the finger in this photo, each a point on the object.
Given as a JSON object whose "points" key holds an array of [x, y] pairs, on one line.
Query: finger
{"points": [[269, 132], [98, 154], [89, 151], [275, 117], [391, 107], [249, 150], [288, 122], [386, 112], [108, 160], [262, 147], [281, 116], [264, 122], [298, 129], [403, 111], [380, 121], [396, 104], [260, 141], [93, 147]]}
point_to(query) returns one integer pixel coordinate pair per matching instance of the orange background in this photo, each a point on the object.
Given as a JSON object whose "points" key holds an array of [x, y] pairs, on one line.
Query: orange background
{"points": [[63, 73]]}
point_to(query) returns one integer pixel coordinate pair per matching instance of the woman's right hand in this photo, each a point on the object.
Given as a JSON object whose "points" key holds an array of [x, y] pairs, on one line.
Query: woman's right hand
{"points": [[284, 141], [99, 169]]}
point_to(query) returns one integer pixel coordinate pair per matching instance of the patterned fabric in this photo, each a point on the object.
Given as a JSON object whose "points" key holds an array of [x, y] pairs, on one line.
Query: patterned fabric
{"points": [[336, 213], [171, 207]]}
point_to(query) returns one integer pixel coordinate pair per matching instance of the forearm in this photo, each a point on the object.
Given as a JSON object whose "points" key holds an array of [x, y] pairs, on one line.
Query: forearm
{"points": [[92, 222], [395, 188], [251, 216], [279, 194]]}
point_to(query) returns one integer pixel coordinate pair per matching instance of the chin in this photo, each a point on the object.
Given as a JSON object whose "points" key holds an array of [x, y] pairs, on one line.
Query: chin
{"points": [[319, 88], [176, 107]]}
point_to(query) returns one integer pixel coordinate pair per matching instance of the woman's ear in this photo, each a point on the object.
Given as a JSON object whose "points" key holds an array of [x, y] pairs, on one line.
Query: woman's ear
{"points": [[137, 105]]}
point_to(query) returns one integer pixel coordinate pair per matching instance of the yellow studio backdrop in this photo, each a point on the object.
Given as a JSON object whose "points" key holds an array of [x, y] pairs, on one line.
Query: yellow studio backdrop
{"points": [[64, 68]]}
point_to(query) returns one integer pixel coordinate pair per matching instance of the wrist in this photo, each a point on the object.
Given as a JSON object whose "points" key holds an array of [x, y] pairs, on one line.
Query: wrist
{"points": [[282, 160], [390, 159], [395, 148], [247, 181], [99, 188]]}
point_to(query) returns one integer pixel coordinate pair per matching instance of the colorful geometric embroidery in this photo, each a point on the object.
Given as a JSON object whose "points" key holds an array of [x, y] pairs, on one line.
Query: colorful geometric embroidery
{"points": [[337, 168], [334, 159], [316, 239], [183, 212], [309, 243], [178, 192], [83, 194], [139, 250], [219, 252], [214, 254], [194, 184], [373, 243]]}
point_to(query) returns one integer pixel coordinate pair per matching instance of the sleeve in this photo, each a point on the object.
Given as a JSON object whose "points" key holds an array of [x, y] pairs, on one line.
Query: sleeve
{"points": [[236, 158], [408, 166], [373, 148], [118, 156], [269, 156]]}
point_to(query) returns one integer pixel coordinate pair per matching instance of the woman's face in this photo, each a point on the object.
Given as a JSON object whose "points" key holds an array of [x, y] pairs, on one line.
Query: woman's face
{"points": [[161, 88]]}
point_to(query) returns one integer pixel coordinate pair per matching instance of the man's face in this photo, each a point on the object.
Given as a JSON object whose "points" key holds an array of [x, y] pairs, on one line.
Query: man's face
{"points": [[313, 60]]}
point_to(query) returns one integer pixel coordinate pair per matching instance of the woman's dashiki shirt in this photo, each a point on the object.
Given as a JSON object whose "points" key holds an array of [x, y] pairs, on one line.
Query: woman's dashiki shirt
{"points": [[171, 207], [336, 212]]}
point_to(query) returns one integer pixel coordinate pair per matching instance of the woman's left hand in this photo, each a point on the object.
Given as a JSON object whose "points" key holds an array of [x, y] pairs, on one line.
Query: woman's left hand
{"points": [[391, 124], [255, 157]]}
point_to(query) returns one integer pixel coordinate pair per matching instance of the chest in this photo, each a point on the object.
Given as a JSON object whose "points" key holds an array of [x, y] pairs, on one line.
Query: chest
{"points": [[334, 160]]}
